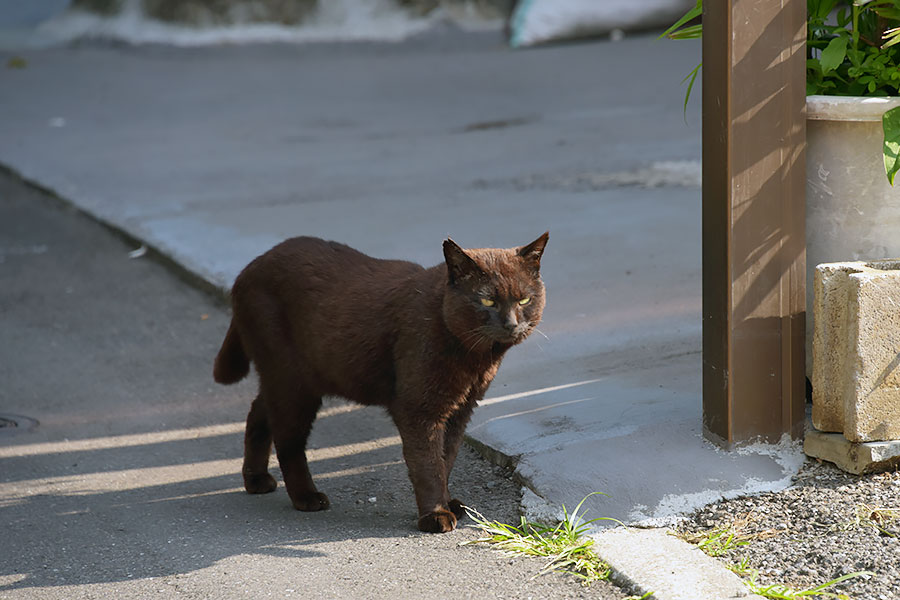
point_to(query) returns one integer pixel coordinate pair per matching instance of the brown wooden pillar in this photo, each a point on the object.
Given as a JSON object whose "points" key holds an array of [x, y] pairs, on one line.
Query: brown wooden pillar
{"points": [[754, 240]]}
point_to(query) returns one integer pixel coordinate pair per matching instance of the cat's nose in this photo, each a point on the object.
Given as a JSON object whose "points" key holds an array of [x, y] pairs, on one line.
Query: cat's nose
{"points": [[510, 322]]}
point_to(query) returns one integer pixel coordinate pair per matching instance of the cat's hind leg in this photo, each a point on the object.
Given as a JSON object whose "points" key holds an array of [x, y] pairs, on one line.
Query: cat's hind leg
{"points": [[290, 430], [257, 447]]}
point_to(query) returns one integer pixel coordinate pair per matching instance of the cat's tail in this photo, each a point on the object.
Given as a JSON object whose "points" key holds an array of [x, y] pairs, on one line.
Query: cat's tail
{"points": [[232, 363]]}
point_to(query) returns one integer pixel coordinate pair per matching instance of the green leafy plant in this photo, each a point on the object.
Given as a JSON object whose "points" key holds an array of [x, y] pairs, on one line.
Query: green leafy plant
{"points": [[565, 544], [684, 29], [718, 541], [853, 54], [780, 591], [852, 49], [877, 517]]}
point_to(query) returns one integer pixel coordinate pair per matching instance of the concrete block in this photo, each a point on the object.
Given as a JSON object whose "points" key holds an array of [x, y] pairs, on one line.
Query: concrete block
{"points": [[652, 561], [856, 350], [856, 458]]}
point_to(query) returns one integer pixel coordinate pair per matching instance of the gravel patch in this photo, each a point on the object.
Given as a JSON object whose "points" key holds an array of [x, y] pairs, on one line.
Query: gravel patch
{"points": [[829, 523]]}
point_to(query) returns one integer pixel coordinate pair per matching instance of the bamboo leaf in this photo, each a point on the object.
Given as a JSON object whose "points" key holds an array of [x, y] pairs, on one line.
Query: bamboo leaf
{"points": [[820, 8], [688, 16], [892, 36], [691, 32], [687, 95]]}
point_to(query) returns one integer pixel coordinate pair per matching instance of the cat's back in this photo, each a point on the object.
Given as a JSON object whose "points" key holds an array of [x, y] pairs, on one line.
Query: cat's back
{"points": [[307, 253], [311, 265], [327, 307]]}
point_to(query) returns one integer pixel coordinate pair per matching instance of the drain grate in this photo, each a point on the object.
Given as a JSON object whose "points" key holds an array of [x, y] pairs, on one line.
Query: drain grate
{"points": [[10, 424]]}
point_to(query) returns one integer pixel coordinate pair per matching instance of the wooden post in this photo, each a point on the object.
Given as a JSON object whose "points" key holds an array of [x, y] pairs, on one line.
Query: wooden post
{"points": [[754, 239]]}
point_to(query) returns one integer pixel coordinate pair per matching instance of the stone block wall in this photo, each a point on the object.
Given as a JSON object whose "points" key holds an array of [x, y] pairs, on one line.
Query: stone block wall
{"points": [[856, 350]]}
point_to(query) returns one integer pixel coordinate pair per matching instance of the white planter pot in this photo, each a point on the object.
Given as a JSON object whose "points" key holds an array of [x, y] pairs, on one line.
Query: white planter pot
{"points": [[852, 212]]}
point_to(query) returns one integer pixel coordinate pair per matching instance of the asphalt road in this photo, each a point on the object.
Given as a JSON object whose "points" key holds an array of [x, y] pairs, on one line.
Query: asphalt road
{"points": [[130, 485]]}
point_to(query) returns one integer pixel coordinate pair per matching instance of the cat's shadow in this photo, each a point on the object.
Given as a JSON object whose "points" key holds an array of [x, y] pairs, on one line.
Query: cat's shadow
{"points": [[160, 509]]}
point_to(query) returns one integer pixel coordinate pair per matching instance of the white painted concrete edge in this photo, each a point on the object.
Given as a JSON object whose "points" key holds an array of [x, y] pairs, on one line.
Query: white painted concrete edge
{"points": [[651, 560]]}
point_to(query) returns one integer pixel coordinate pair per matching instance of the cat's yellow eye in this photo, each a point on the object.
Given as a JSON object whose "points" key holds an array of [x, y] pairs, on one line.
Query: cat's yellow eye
{"points": [[524, 301], [487, 302]]}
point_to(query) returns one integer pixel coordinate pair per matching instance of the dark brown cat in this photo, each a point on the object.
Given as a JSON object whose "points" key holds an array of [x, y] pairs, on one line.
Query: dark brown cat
{"points": [[318, 319]]}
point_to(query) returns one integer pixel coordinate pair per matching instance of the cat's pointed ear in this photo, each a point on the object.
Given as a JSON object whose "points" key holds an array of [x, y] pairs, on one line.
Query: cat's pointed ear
{"points": [[532, 252], [459, 264]]}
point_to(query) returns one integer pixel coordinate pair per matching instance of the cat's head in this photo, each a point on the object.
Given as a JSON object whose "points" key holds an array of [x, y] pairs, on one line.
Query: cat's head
{"points": [[493, 295]]}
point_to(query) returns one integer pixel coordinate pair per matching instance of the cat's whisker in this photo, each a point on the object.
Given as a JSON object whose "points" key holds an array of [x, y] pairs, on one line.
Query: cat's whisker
{"points": [[481, 338], [472, 333], [471, 343], [468, 336], [542, 333], [476, 337]]}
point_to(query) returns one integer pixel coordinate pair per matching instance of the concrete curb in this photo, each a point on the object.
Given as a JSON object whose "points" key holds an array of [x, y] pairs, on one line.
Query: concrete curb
{"points": [[652, 561], [218, 293]]}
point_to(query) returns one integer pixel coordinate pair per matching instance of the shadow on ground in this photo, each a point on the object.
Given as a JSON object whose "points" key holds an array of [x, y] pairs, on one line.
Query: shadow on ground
{"points": [[130, 486], [130, 510]]}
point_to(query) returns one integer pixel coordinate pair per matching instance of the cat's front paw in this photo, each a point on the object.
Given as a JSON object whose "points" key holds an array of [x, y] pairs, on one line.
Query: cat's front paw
{"points": [[311, 502], [260, 483], [456, 507], [439, 521]]}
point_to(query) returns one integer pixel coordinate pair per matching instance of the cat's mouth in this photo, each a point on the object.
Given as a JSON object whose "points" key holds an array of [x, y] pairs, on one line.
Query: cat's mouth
{"points": [[505, 336], [483, 337]]}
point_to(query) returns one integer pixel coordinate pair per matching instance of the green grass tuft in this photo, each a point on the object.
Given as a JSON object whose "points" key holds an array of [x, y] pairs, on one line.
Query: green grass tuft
{"points": [[721, 540], [782, 592], [718, 541], [564, 545], [871, 516]]}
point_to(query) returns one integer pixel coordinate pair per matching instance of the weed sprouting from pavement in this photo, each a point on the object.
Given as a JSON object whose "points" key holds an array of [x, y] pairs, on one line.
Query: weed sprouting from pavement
{"points": [[716, 542], [871, 516], [565, 545], [721, 540], [780, 591]]}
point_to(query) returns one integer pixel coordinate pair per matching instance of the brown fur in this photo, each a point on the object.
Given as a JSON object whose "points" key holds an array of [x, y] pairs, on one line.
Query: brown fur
{"points": [[318, 319]]}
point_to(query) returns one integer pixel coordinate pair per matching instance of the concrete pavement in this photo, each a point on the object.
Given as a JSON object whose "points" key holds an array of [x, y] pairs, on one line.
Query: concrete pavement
{"points": [[130, 487], [213, 155]]}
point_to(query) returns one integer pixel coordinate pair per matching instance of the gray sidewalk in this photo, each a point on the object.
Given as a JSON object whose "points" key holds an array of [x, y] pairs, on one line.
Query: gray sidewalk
{"points": [[130, 486], [213, 155]]}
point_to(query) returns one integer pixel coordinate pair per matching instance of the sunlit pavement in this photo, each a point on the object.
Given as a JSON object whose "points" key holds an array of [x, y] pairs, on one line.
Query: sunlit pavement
{"points": [[120, 459], [213, 155]]}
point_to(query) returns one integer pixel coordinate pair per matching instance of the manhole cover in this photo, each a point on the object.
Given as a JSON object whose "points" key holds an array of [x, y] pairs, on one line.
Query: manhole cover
{"points": [[10, 424]]}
